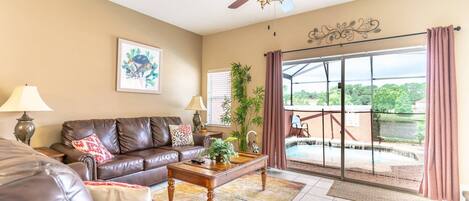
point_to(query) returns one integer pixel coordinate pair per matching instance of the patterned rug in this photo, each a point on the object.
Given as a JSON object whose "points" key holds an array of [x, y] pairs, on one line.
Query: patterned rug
{"points": [[358, 192], [246, 188]]}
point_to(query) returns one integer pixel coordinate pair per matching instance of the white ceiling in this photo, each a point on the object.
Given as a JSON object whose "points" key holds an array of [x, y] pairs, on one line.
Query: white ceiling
{"points": [[211, 16]]}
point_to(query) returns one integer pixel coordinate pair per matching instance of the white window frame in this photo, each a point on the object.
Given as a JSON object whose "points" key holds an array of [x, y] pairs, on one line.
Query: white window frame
{"points": [[209, 105]]}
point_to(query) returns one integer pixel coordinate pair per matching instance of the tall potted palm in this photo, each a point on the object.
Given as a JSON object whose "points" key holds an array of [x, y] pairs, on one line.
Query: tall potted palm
{"points": [[246, 109]]}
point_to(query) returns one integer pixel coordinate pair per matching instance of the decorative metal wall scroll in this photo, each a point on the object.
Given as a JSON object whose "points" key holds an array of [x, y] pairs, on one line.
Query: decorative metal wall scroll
{"points": [[361, 27]]}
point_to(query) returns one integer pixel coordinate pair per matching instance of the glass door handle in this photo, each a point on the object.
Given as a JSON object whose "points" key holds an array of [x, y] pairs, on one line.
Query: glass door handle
{"points": [[339, 85]]}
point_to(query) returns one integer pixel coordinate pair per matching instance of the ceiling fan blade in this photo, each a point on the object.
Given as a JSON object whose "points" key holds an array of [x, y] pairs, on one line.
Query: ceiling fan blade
{"points": [[237, 4], [287, 6]]}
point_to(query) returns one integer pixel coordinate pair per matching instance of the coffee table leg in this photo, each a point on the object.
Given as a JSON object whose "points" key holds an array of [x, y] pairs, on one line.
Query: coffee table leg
{"points": [[170, 189], [264, 177], [210, 194]]}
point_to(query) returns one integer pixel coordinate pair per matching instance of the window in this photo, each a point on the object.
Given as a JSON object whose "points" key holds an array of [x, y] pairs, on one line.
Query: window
{"points": [[386, 81], [218, 90]]}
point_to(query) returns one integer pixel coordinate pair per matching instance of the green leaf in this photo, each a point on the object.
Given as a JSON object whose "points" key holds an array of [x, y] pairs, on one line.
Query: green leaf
{"points": [[231, 139]]}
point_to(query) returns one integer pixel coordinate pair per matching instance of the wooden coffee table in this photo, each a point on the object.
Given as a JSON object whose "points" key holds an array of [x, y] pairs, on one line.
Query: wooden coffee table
{"points": [[212, 175]]}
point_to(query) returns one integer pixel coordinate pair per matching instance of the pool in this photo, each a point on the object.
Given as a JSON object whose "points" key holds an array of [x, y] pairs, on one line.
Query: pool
{"points": [[354, 158]]}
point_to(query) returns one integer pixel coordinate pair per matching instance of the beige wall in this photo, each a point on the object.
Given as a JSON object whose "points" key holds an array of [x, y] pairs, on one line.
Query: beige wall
{"points": [[248, 44], [68, 49]]}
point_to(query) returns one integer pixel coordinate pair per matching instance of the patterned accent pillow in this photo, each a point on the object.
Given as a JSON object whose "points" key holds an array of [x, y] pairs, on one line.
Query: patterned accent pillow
{"points": [[104, 191], [92, 145], [181, 135]]}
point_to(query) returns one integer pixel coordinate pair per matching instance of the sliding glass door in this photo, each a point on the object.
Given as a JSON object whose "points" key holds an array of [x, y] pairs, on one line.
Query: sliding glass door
{"points": [[358, 117], [357, 130]]}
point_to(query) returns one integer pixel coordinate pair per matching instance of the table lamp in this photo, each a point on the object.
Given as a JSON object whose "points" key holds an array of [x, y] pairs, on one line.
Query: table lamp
{"points": [[198, 105], [24, 99]]}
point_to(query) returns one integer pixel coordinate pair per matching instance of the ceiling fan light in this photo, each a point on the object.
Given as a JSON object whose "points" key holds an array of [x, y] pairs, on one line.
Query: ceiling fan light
{"points": [[265, 2]]}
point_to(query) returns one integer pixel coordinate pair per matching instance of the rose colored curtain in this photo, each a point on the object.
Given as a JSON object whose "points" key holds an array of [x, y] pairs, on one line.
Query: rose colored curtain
{"points": [[441, 174], [273, 140]]}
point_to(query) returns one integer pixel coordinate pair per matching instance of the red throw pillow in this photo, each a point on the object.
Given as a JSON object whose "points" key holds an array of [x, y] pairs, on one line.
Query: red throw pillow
{"points": [[92, 145]]}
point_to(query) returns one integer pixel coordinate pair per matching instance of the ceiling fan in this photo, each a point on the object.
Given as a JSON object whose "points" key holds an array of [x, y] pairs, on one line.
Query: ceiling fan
{"points": [[286, 5]]}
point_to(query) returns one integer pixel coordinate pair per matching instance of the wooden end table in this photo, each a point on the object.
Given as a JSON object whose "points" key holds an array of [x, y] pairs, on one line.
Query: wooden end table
{"points": [[209, 134], [51, 153], [211, 175], [214, 134]]}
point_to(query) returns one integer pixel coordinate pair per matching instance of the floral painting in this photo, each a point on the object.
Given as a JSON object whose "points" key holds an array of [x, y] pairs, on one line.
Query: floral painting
{"points": [[138, 67]]}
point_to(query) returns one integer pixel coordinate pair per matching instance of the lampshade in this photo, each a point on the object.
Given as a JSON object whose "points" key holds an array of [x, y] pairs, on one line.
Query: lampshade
{"points": [[24, 99], [196, 104]]}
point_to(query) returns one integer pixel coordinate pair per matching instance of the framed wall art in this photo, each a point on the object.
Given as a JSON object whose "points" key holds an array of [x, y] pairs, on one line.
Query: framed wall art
{"points": [[138, 67]]}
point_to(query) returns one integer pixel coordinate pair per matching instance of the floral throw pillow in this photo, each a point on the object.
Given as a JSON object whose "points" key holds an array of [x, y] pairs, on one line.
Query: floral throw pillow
{"points": [[92, 145], [181, 135]]}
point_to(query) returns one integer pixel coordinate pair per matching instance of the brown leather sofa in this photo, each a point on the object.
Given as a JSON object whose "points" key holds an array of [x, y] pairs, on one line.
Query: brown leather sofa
{"points": [[141, 146], [26, 175]]}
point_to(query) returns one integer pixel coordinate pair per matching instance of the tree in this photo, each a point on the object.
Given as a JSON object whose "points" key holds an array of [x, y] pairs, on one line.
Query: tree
{"points": [[386, 98], [358, 94], [392, 98], [416, 91]]}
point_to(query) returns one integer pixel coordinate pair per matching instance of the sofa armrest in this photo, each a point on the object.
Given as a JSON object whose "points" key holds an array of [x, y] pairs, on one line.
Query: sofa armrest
{"points": [[72, 155], [201, 140], [81, 169]]}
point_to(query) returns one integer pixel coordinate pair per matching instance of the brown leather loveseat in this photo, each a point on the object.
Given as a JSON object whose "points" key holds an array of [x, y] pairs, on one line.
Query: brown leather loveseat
{"points": [[141, 148]]}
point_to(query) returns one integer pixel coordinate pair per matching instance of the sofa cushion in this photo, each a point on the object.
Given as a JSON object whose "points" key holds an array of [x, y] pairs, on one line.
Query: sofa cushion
{"points": [[172, 120], [120, 165], [105, 129], [134, 134], [160, 132], [160, 129], [186, 152], [154, 158]]}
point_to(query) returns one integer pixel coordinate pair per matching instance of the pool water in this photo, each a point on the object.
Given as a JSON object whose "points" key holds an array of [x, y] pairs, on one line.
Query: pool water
{"points": [[354, 158]]}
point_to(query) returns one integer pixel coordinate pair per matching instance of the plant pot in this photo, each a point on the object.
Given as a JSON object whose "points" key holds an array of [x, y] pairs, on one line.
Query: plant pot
{"points": [[219, 159]]}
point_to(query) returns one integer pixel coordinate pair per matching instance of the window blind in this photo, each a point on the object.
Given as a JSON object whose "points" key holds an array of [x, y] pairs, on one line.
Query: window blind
{"points": [[218, 87]]}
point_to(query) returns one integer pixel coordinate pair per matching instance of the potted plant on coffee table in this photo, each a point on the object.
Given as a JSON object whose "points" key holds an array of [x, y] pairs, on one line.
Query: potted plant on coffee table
{"points": [[221, 150]]}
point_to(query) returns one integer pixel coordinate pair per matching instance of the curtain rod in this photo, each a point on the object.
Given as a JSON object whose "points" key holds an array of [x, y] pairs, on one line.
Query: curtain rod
{"points": [[458, 28]]}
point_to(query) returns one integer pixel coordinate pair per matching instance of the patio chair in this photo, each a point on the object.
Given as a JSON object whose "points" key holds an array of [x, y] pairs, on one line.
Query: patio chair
{"points": [[298, 128]]}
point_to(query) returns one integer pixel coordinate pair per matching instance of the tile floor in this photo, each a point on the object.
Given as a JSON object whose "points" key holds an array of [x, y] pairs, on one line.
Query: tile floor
{"points": [[316, 187], [315, 190]]}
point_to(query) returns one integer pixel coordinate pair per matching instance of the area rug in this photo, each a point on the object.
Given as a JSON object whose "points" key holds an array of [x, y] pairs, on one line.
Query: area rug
{"points": [[246, 188], [358, 192]]}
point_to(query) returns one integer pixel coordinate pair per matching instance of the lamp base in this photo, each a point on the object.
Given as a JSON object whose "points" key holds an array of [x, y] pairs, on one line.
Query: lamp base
{"points": [[197, 122], [24, 129]]}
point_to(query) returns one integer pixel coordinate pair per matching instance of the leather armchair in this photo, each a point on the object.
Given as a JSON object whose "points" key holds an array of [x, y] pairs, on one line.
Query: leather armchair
{"points": [[30, 176], [82, 170], [72, 156]]}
